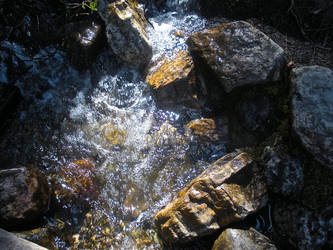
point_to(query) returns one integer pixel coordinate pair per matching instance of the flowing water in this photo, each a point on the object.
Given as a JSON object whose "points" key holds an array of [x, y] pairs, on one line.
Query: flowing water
{"points": [[141, 153]]}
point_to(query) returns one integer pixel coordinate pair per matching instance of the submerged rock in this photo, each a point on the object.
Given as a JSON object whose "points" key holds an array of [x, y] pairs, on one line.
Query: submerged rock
{"points": [[84, 41], [284, 173], [79, 180], [312, 105], [238, 239], [299, 225], [174, 82], [24, 197], [125, 30], [238, 54], [226, 192], [12, 242]]}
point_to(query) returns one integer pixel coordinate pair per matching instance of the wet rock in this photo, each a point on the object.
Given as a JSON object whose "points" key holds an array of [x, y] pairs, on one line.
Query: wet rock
{"points": [[312, 105], [10, 241], [226, 192], [78, 181], [284, 173], [133, 204], [24, 197], [174, 82], [113, 134], [242, 239], [84, 41], [208, 129], [125, 30], [238, 54], [299, 225], [168, 135]]}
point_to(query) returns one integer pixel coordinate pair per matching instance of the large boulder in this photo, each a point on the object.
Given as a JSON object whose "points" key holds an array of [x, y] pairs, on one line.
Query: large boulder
{"points": [[24, 197], [9, 241], [125, 30], [237, 54], [226, 192], [312, 105], [174, 82], [239, 239]]}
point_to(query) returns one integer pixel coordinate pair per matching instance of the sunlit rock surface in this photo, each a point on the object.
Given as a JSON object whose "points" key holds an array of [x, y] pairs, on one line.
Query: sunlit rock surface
{"points": [[299, 225], [84, 41], [284, 173], [174, 81], [208, 129], [226, 192], [125, 30], [24, 197], [238, 54], [9, 241], [312, 105], [238, 239]]}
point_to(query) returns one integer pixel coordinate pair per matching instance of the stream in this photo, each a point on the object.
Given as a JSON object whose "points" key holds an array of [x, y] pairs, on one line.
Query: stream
{"points": [[142, 155]]}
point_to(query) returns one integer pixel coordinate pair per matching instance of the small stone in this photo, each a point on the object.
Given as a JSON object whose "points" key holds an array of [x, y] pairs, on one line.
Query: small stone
{"points": [[174, 82], [238, 239]]}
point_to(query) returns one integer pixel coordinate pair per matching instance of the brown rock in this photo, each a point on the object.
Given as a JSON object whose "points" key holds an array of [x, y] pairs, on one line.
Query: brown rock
{"points": [[208, 129], [79, 180], [226, 192], [24, 197], [237, 239], [238, 54], [174, 81]]}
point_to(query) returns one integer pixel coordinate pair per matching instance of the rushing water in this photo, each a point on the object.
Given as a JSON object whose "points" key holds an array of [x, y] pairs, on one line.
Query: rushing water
{"points": [[142, 155]]}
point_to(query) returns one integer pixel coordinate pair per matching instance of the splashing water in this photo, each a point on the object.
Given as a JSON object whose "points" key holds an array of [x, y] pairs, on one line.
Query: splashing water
{"points": [[141, 153]]}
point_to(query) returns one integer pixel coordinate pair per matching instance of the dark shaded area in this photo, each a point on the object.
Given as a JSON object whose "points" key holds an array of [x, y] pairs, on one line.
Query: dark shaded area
{"points": [[306, 19]]}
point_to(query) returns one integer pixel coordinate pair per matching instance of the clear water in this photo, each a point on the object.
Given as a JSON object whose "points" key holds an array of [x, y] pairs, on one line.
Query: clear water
{"points": [[142, 156]]}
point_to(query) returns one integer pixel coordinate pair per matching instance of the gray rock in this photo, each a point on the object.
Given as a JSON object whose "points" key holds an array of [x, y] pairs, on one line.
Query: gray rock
{"points": [[24, 197], [299, 225], [284, 174], [238, 239], [312, 106], [238, 54], [228, 191], [125, 30], [9, 241]]}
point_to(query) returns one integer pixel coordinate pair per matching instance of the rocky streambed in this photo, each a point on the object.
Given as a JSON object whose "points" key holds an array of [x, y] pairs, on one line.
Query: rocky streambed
{"points": [[150, 126]]}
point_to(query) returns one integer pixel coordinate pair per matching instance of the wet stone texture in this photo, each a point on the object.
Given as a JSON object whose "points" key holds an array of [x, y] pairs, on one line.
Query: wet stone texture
{"points": [[284, 173], [125, 30], [301, 227], [78, 181], [24, 197], [238, 54], [312, 105], [226, 192], [238, 239], [174, 81]]}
